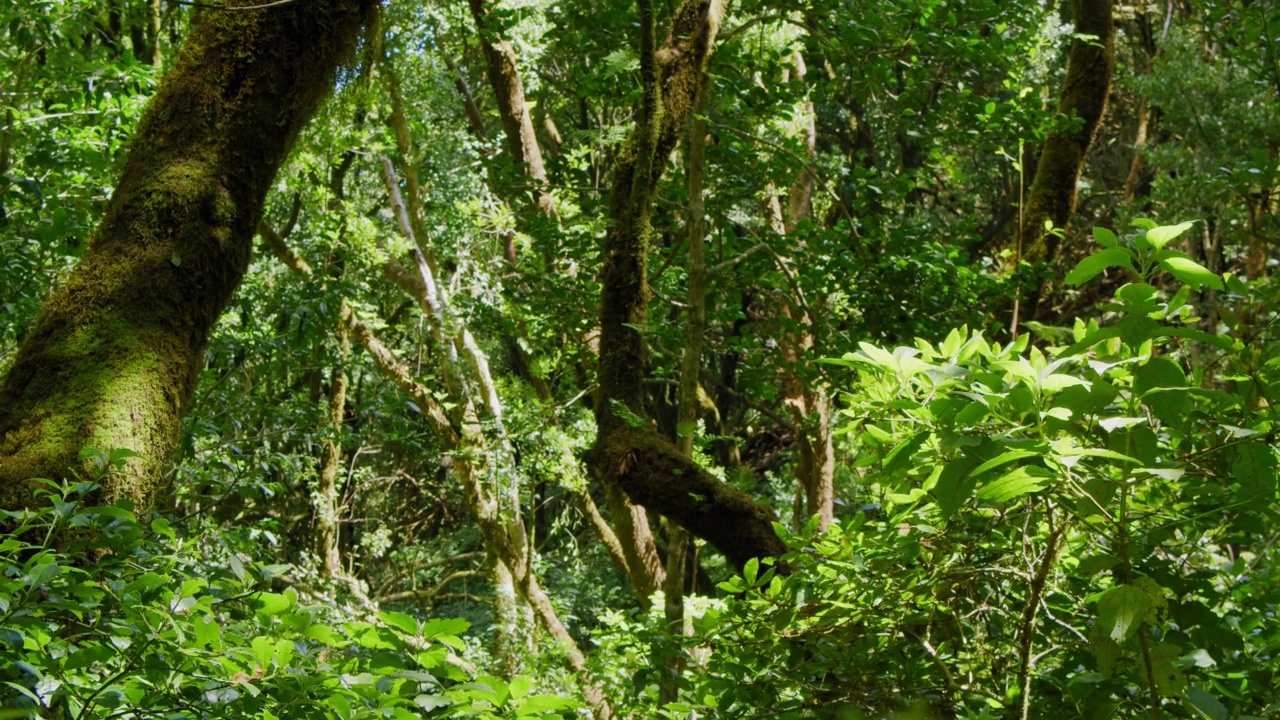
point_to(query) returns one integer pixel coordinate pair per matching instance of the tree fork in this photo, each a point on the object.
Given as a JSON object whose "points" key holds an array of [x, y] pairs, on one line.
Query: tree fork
{"points": [[116, 352]]}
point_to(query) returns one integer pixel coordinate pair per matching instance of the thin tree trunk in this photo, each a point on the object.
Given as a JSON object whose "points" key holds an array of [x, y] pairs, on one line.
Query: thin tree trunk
{"points": [[517, 124], [504, 537], [115, 354], [631, 522], [154, 23], [1145, 35], [690, 371], [474, 119], [806, 399], [327, 488]]}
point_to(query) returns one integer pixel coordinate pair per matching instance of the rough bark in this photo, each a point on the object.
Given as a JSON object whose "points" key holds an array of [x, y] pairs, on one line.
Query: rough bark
{"points": [[1090, 65], [508, 89], [629, 452], [631, 522], [690, 372], [807, 402], [115, 354], [327, 488]]}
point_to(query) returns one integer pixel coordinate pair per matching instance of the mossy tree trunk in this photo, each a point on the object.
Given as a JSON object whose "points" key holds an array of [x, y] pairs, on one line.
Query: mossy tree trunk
{"points": [[1081, 106], [508, 90], [115, 354], [629, 453]]}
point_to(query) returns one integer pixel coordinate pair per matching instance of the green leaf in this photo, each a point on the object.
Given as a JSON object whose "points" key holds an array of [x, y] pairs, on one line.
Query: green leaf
{"points": [[1095, 564], [205, 631], [1014, 484], [877, 356], [1019, 369], [404, 623], [1205, 705], [444, 626], [271, 604], [1096, 263], [160, 526], [955, 485], [1166, 669], [520, 686], [541, 704], [1120, 611], [1105, 237], [972, 414], [1253, 465], [341, 706], [1160, 236], [1162, 386], [1004, 459], [264, 648], [432, 702], [323, 634], [1191, 272], [1057, 382], [901, 455], [750, 570]]}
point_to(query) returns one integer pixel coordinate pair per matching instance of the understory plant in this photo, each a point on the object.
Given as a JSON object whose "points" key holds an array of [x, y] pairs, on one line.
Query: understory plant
{"points": [[104, 616], [1084, 529]]}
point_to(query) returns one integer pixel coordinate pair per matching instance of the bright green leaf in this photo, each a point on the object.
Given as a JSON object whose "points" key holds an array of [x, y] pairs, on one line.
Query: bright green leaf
{"points": [[1096, 263], [1191, 273], [1160, 236]]}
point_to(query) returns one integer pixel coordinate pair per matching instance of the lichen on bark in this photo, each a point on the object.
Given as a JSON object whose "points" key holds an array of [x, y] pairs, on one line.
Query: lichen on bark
{"points": [[114, 356]]}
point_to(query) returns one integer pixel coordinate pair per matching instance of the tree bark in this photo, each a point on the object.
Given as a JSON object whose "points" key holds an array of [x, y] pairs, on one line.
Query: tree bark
{"points": [[1085, 90], [115, 354], [806, 400], [687, 401], [326, 500], [628, 451], [508, 89]]}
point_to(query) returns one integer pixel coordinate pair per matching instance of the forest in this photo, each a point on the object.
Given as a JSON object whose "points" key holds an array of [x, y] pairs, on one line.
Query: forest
{"points": [[688, 359]]}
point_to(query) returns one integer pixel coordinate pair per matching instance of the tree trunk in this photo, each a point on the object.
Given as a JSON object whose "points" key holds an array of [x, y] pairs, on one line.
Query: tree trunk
{"points": [[628, 450], [508, 89], [326, 501], [1090, 65], [115, 354]]}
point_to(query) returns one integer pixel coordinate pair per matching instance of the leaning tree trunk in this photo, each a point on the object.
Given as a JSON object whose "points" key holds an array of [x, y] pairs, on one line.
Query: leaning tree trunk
{"points": [[115, 354], [1090, 65]]}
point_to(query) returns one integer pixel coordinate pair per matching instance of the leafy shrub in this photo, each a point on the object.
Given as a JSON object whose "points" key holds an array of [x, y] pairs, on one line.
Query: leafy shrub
{"points": [[1077, 531], [102, 616]]}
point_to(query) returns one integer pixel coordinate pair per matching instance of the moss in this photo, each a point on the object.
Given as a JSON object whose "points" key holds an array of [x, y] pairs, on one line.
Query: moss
{"points": [[654, 474], [647, 468], [1052, 196], [115, 354]]}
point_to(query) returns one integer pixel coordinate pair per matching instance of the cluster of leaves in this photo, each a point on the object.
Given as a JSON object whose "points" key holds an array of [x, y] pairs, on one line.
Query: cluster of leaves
{"points": [[1080, 531], [101, 616]]}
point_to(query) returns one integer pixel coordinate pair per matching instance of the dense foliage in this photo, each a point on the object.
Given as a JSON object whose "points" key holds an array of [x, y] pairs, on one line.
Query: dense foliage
{"points": [[1008, 484]]}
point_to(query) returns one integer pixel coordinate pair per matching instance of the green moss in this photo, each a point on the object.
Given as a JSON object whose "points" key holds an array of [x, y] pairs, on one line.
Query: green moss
{"points": [[114, 356]]}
